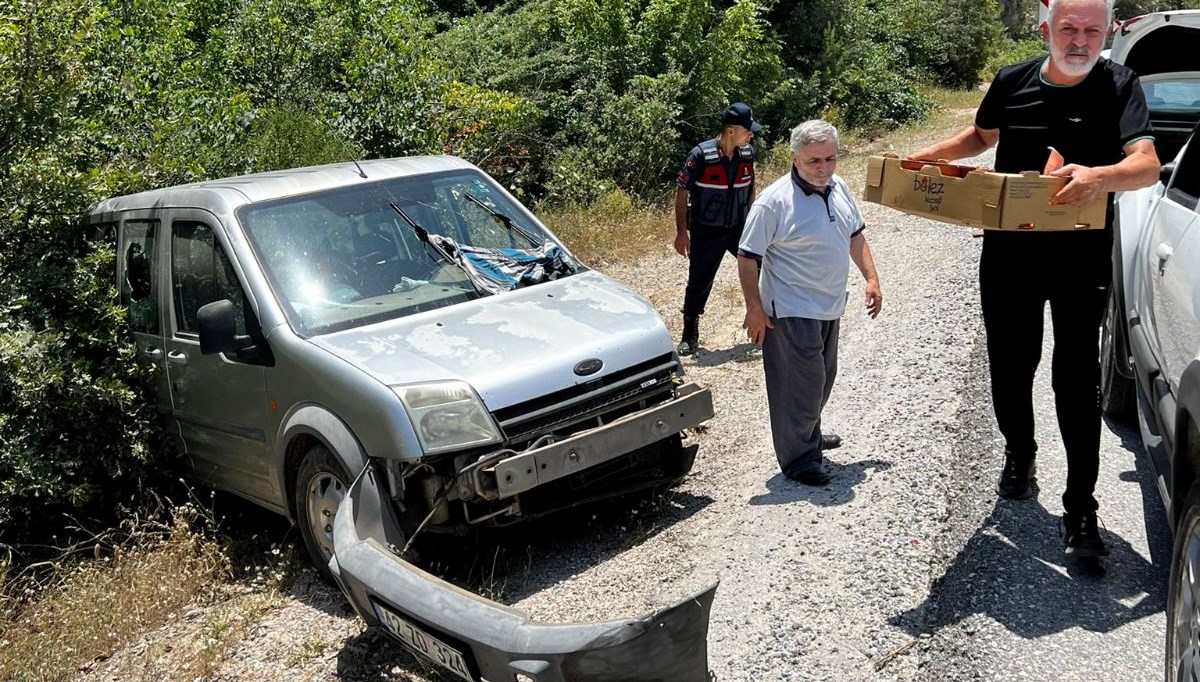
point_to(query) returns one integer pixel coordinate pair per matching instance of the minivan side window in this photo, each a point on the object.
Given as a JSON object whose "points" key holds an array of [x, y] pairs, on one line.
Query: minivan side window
{"points": [[201, 274], [139, 261]]}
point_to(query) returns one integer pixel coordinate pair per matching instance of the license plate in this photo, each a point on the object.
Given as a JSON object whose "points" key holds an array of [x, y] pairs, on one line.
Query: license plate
{"points": [[423, 643]]}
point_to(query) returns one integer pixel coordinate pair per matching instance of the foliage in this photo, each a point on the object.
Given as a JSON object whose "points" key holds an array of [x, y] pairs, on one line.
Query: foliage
{"points": [[863, 84], [623, 88], [1013, 51], [72, 421], [946, 42]]}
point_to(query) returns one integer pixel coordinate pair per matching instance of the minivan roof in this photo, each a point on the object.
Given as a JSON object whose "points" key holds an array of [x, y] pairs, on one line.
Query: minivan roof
{"points": [[227, 194]]}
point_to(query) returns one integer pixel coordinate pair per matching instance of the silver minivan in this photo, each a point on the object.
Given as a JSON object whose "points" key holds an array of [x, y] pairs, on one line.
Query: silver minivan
{"points": [[398, 347]]}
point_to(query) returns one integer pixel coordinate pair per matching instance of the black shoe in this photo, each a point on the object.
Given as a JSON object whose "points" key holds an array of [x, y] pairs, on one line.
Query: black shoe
{"points": [[1080, 536], [689, 341], [814, 477], [1018, 481], [830, 441]]}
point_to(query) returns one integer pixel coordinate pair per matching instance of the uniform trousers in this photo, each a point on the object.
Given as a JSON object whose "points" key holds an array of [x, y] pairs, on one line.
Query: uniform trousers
{"points": [[708, 247]]}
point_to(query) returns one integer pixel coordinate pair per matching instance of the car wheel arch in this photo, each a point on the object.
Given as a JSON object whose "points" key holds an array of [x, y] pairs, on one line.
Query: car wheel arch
{"points": [[305, 427], [1186, 457]]}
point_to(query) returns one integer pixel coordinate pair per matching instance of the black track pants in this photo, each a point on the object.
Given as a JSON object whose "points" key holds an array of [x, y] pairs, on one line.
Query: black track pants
{"points": [[1014, 297]]}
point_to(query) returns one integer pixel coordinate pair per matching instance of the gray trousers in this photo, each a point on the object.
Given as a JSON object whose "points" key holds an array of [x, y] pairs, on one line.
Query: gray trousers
{"points": [[800, 363]]}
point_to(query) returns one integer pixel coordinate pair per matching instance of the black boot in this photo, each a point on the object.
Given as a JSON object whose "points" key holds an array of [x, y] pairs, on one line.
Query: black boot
{"points": [[690, 340], [1018, 480]]}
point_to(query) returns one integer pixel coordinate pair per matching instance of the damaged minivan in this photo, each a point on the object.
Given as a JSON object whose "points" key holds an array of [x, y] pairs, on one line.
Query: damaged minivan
{"points": [[398, 347]]}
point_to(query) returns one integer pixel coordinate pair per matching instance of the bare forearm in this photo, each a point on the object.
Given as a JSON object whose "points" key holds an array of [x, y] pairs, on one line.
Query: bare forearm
{"points": [[971, 141], [860, 253], [748, 277], [1135, 171], [681, 198]]}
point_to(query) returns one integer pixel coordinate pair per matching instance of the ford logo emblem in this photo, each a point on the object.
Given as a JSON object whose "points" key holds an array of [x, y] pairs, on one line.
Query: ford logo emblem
{"points": [[588, 367]]}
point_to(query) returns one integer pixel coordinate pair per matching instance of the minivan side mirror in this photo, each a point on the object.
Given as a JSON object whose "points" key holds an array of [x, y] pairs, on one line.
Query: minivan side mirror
{"points": [[217, 329]]}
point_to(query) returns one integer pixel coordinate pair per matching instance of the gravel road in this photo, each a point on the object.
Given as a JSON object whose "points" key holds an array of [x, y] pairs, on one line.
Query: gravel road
{"points": [[906, 567]]}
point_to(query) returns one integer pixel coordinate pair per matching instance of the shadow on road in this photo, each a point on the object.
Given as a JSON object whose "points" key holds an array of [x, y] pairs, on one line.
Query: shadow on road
{"points": [[741, 352], [372, 655], [1013, 570], [843, 479]]}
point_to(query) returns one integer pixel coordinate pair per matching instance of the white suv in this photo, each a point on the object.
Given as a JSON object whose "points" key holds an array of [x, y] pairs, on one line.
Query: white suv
{"points": [[1151, 338]]}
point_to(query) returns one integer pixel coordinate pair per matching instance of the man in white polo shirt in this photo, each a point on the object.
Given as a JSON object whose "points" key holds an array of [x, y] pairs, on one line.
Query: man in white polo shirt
{"points": [[804, 230]]}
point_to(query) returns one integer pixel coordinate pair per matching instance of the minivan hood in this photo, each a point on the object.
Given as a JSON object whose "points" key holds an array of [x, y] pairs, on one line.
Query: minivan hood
{"points": [[513, 346]]}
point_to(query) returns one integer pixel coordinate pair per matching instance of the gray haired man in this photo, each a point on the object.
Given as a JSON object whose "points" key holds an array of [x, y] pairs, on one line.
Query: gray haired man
{"points": [[1093, 112], [804, 230]]}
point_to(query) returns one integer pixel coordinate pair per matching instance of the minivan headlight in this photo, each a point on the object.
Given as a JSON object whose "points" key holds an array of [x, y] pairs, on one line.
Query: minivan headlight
{"points": [[447, 415]]}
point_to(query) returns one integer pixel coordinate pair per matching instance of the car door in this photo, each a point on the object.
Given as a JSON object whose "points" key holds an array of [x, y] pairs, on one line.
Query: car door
{"points": [[1180, 319], [140, 275], [219, 401], [1171, 266]]}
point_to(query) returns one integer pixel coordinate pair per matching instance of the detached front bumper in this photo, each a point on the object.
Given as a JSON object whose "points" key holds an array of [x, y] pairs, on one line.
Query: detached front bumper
{"points": [[478, 639]]}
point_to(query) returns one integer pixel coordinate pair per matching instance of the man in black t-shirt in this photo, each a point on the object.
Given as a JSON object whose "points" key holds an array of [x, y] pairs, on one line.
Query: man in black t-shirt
{"points": [[1094, 113]]}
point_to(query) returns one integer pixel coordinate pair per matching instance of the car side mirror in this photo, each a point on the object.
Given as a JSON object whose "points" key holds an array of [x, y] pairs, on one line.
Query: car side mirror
{"points": [[218, 331], [1165, 173]]}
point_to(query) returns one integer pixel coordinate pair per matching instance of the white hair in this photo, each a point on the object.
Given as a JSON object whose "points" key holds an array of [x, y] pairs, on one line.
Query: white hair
{"points": [[1108, 7], [815, 131]]}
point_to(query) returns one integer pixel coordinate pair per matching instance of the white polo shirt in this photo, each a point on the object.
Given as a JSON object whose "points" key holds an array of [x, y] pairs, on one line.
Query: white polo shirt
{"points": [[803, 240]]}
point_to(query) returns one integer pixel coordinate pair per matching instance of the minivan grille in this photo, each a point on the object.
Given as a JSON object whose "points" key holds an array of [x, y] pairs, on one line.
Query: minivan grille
{"points": [[601, 398]]}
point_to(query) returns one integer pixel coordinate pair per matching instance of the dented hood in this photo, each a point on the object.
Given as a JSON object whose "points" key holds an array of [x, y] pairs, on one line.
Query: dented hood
{"points": [[513, 346]]}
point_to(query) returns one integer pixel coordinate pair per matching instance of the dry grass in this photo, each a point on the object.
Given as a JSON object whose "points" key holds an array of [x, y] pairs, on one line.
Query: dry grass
{"points": [[160, 574], [95, 607], [612, 229]]}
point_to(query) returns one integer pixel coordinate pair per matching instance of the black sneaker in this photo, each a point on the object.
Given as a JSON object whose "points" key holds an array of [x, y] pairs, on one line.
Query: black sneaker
{"points": [[1081, 536], [1018, 480]]}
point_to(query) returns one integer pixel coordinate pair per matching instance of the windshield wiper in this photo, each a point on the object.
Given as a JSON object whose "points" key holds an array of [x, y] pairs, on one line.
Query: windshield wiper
{"points": [[505, 220], [423, 237]]}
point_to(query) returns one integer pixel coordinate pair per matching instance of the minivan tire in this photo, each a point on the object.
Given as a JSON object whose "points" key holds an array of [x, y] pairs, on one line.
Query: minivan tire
{"points": [[321, 485], [1117, 398]]}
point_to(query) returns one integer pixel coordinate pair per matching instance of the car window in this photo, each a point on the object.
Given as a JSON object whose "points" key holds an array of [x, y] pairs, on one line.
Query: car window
{"points": [[345, 257], [201, 274], [137, 281], [1185, 185], [1175, 96]]}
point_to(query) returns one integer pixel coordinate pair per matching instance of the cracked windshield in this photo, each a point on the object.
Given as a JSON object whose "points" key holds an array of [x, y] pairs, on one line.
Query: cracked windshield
{"points": [[348, 257]]}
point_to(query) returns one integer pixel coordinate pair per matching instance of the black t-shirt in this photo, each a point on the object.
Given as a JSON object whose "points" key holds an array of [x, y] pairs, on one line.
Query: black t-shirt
{"points": [[1089, 123]]}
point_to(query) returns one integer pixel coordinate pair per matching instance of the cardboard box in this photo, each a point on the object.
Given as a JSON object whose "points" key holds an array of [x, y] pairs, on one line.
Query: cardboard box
{"points": [[965, 195]]}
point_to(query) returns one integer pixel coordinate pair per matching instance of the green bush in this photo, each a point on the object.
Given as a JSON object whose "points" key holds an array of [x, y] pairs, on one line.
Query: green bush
{"points": [[864, 85], [1011, 52], [623, 89]]}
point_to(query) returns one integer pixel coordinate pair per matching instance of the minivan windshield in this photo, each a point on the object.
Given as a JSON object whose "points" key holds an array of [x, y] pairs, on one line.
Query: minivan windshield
{"points": [[346, 257]]}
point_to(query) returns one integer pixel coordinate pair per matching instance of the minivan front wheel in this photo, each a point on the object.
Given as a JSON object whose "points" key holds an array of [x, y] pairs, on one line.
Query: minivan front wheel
{"points": [[321, 485], [1183, 600]]}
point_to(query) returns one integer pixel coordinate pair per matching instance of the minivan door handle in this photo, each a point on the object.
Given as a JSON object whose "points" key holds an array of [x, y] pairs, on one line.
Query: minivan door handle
{"points": [[1164, 253], [177, 358], [153, 353]]}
